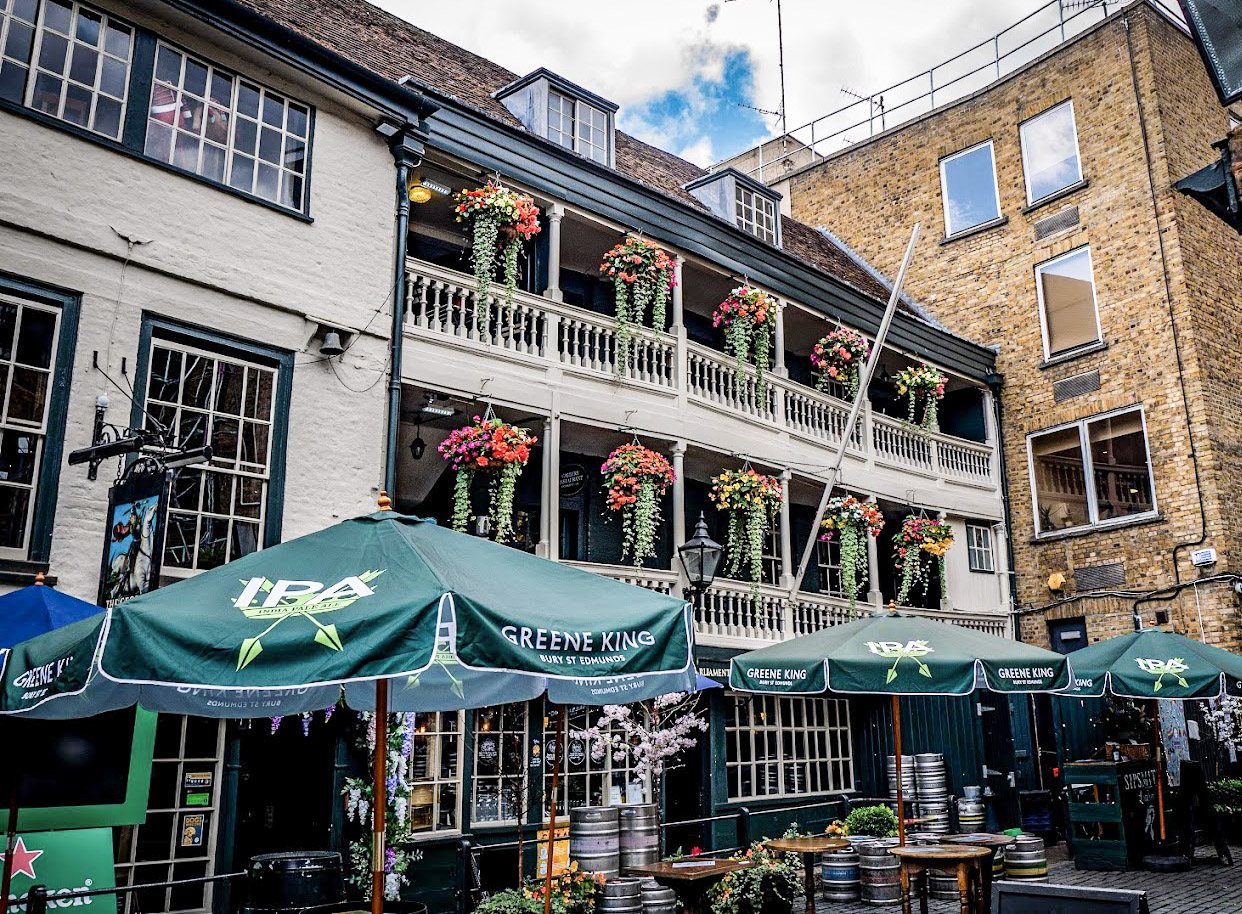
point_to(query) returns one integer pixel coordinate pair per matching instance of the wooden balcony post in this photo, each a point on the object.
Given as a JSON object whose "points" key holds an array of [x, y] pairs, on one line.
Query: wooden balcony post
{"points": [[778, 343], [946, 602], [874, 597], [550, 515], [678, 451], [556, 212], [786, 580], [678, 329], [991, 435]]}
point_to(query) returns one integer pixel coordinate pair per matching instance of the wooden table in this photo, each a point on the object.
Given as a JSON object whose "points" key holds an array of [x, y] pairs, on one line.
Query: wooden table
{"points": [[808, 848], [982, 839], [690, 878], [963, 861]]}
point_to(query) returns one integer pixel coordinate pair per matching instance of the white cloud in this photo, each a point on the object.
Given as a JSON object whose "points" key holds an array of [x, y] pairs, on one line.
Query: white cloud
{"points": [[634, 52], [699, 152]]}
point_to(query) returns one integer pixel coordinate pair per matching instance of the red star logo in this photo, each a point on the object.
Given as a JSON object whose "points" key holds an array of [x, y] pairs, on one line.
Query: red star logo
{"points": [[23, 860]]}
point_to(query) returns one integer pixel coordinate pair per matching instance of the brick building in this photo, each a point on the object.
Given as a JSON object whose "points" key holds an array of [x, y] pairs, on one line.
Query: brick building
{"points": [[1053, 231]]}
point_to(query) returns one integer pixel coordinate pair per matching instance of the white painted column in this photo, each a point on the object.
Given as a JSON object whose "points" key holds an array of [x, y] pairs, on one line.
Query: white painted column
{"points": [[678, 451], [678, 329], [677, 311], [946, 601], [550, 516], [1000, 560], [874, 596], [786, 580], [778, 343], [556, 212]]}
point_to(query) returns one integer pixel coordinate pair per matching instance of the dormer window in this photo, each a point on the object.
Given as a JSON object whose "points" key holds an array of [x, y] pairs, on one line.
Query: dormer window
{"points": [[564, 113], [750, 205]]}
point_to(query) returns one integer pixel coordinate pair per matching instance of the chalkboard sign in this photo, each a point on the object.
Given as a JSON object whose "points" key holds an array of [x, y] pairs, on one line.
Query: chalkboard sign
{"points": [[1029, 898]]}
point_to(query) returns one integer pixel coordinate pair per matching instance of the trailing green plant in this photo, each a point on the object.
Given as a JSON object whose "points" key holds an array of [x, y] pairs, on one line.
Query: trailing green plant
{"points": [[877, 821], [642, 276], [636, 479], [772, 879], [920, 542], [839, 357], [747, 317], [922, 386], [853, 521], [752, 500], [493, 447], [499, 220]]}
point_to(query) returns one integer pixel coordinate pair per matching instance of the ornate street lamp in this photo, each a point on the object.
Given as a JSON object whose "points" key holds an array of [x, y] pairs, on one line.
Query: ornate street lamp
{"points": [[700, 557]]}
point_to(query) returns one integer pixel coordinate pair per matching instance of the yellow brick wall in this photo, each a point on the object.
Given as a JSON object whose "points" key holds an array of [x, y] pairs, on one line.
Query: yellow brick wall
{"points": [[983, 286]]}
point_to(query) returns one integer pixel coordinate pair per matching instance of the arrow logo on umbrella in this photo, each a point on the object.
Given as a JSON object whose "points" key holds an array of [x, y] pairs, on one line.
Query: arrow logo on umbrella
{"points": [[896, 651], [285, 599], [1174, 667]]}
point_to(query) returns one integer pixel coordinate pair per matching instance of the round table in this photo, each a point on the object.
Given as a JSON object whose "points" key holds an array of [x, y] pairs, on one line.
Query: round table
{"points": [[982, 839], [962, 861], [808, 848]]}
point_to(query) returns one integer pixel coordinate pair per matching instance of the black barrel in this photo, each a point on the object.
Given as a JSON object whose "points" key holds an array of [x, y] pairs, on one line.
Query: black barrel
{"points": [[294, 880]]}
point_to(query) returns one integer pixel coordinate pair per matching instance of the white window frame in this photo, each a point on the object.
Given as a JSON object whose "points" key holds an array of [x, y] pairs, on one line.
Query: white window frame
{"points": [[836, 710], [756, 214], [949, 230], [980, 548], [577, 105], [435, 781], [1084, 445], [1026, 171], [498, 779], [603, 768], [1043, 312]]}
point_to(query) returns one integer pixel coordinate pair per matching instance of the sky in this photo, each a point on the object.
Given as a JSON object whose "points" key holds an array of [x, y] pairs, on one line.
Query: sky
{"points": [[684, 71]]}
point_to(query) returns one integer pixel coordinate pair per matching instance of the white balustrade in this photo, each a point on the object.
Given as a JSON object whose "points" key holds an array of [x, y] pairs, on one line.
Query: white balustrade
{"points": [[713, 378], [656, 579], [817, 415]]}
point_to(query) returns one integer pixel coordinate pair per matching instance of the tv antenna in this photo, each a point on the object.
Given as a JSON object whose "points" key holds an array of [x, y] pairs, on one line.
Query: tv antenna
{"points": [[874, 103], [780, 47]]}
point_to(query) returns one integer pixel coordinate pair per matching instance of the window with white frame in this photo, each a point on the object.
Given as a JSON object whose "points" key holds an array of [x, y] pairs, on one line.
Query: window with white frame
{"points": [[968, 189], [578, 126], [66, 60], [783, 747], [29, 334], [772, 555], [1068, 311], [1050, 152], [1111, 452], [756, 214], [828, 558], [500, 781], [435, 772], [584, 779], [979, 547], [217, 510], [231, 130]]}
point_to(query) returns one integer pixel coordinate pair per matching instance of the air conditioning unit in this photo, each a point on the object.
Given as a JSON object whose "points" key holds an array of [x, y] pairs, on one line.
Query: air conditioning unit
{"points": [[1202, 557]]}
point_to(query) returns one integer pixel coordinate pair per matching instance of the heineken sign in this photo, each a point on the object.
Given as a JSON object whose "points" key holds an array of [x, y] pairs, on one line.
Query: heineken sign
{"points": [[64, 862]]}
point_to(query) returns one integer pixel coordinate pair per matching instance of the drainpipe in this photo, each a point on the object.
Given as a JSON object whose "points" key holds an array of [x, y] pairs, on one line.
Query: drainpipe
{"points": [[407, 151], [995, 381]]}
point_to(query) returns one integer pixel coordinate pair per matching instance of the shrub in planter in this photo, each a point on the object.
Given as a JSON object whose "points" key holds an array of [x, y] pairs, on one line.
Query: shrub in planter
{"points": [[768, 887], [878, 821]]}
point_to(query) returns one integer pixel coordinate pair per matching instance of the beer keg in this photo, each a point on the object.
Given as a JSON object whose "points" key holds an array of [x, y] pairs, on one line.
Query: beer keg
{"points": [[638, 835], [294, 880], [879, 872], [1026, 859], [838, 871], [594, 840]]}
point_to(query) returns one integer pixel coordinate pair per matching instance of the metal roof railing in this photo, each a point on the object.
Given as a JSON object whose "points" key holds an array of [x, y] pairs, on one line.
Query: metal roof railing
{"points": [[976, 68]]}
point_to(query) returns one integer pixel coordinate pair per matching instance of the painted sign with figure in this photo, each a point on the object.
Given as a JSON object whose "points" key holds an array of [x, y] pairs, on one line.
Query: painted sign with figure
{"points": [[134, 540]]}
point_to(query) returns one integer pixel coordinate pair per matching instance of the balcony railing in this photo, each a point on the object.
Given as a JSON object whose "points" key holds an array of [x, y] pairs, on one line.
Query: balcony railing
{"points": [[729, 615], [441, 305]]}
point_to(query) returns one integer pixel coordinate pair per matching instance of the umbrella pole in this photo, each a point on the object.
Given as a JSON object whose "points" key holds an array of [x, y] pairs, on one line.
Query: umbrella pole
{"points": [[7, 882], [378, 812], [1156, 746], [901, 801], [556, 772]]}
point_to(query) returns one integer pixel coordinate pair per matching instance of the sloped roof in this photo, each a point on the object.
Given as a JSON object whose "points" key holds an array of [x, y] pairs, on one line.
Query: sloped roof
{"points": [[390, 46]]}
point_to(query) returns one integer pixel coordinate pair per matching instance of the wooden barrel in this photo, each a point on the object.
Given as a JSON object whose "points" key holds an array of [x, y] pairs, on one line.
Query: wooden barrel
{"points": [[971, 815], [1026, 859], [838, 871], [594, 841], [879, 873], [639, 835]]}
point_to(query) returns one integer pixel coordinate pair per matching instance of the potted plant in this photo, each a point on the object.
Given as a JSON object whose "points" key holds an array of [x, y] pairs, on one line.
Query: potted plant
{"points": [[920, 542], [642, 276], [499, 220], [493, 447], [853, 521], [876, 821], [923, 388], [839, 357], [573, 892], [636, 478], [747, 317], [769, 886], [752, 500]]}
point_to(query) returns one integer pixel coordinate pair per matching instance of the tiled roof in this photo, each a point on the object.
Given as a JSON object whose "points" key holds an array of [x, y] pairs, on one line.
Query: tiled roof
{"points": [[392, 47]]}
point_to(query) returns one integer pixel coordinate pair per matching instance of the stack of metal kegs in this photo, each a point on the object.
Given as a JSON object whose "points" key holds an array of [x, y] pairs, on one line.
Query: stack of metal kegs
{"points": [[933, 792], [639, 836], [879, 872], [909, 786], [594, 840]]}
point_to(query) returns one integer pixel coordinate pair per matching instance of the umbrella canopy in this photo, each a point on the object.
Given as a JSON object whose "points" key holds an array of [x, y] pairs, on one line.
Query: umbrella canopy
{"points": [[37, 609], [448, 620], [1155, 664], [896, 654]]}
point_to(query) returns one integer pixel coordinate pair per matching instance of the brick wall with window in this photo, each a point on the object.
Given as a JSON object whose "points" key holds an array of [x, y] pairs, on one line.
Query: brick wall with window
{"points": [[1063, 270]]}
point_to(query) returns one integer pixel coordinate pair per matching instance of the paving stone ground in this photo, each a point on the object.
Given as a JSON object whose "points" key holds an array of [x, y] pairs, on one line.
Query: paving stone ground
{"points": [[1208, 888]]}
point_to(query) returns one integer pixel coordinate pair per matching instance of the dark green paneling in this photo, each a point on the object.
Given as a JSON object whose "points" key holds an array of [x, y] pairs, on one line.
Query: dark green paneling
{"points": [[1021, 724], [1074, 720], [942, 724]]}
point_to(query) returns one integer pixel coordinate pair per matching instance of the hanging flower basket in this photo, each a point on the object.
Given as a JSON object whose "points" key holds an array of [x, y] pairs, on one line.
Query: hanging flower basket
{"points": [[852, 520], [752, 500], [840, 357], [922, 386], [636, 477], [499, 220], [747, 317], [642, 275], [494, 447], [921, 542]]}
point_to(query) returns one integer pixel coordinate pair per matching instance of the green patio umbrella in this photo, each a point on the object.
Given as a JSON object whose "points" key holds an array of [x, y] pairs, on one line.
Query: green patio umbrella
{"points": [[402, 614], [897, 654], [1154, 664]]}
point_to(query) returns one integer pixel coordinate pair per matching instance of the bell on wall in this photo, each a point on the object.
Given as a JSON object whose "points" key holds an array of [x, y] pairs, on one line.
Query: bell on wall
{"points": [[331, 345]]}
